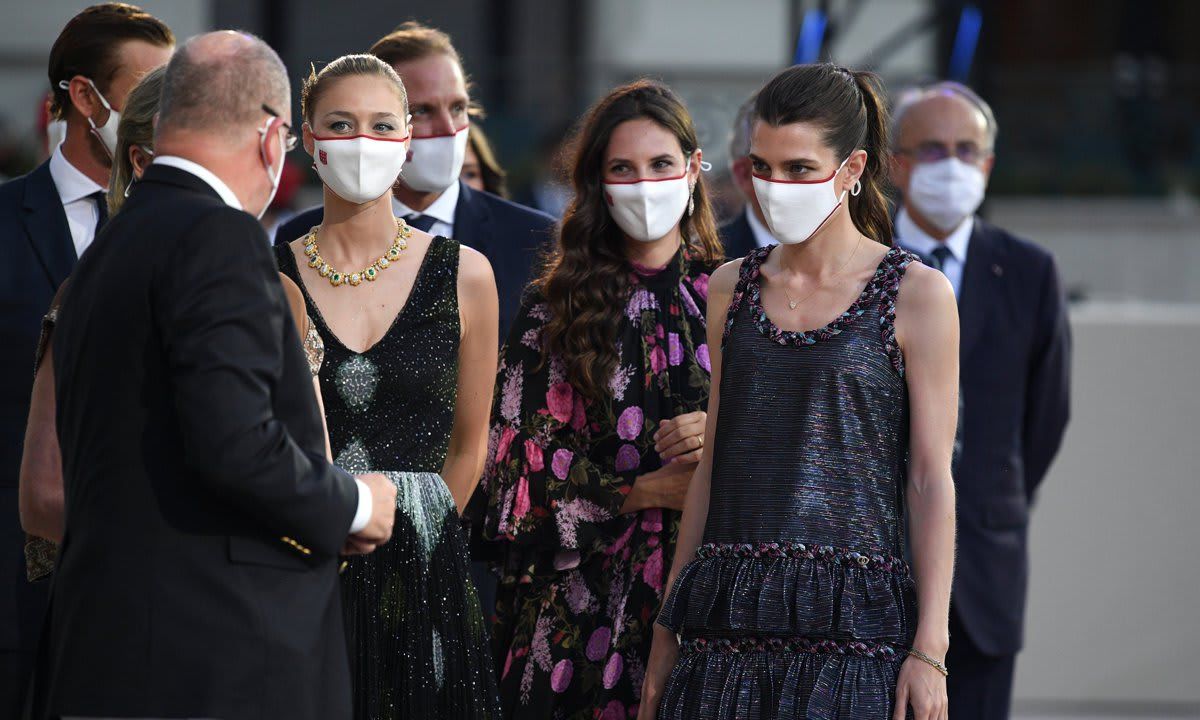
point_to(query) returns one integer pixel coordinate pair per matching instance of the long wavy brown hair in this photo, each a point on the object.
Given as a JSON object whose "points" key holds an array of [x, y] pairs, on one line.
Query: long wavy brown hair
{"points": [[586, 279]]}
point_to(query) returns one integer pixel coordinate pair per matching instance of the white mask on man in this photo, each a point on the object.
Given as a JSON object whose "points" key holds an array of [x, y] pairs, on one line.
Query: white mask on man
{"points": [[946, 191], [435, 161], [272, 174], [796, 209], [106, 133], [649, 208], [359, 168]]}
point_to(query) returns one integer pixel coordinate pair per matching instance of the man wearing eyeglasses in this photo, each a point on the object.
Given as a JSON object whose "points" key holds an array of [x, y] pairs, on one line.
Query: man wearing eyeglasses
{"points": [[1015, 374]]}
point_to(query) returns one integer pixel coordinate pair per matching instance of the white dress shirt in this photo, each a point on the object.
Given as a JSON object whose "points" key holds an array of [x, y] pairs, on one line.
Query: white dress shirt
{"points": [[74, 189], [916, 240], [442, 211], [365, 503], [762, 234]]}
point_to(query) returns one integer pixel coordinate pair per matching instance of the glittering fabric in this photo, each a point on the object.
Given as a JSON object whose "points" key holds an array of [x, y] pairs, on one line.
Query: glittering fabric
{"points": [[581, 582], [418, 644], [314, 348], [798, 604]]}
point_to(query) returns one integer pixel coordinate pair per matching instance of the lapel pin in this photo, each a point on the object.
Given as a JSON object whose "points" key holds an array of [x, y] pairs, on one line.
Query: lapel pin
{"points": [[997, 271]]}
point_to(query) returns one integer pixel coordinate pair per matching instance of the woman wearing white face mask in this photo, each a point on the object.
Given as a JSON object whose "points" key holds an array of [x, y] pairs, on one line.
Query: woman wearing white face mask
{"points": [[409, 325], [833, 410], [599, 419]]}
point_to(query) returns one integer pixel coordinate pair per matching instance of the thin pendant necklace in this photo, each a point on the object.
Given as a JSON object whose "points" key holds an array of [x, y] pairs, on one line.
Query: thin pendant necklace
{"points": [[369, 273], [793, 304]]}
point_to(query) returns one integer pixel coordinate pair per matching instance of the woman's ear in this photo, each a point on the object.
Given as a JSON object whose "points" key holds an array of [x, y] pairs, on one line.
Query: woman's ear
{"points": [[307, 134], [855, 167], [695, 166], [139, 160]]}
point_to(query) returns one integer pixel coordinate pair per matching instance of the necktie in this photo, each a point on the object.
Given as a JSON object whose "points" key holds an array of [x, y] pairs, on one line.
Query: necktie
{"points": [[101, 199], [939, 256], [420, 222]]}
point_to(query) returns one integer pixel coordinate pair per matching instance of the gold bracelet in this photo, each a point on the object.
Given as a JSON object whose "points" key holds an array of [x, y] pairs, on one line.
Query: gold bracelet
{"points": [[936, 665]]}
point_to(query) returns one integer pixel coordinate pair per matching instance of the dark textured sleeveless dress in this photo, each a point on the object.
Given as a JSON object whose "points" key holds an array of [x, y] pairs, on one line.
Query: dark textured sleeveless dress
{"points": [[418, 645], [799, 604]]}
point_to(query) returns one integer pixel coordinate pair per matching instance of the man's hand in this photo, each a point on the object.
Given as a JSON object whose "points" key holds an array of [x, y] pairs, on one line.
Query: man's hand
{"points": [[383, 516]]}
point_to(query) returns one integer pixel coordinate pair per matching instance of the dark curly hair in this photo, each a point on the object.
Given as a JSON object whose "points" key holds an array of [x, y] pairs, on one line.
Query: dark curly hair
{"points": [[586, 279]]}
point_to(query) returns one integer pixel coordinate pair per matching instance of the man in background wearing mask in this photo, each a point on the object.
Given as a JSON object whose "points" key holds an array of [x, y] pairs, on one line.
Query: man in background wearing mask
{"points": [[747, 230], [1015, 371], [430, 196], [204, 520], [47, 219]]}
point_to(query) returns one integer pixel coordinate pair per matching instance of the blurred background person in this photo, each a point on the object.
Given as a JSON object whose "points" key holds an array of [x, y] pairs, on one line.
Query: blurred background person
{"points": [[600, 411], [49, 218], [1015, 354], [481, 170], [408, 323], [747, 230]]}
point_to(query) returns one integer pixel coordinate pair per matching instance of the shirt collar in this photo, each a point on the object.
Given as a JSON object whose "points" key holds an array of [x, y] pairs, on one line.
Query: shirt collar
{"points": [[762, 234], [441, 210], [917, 240], [204, 174], [72, 184]]}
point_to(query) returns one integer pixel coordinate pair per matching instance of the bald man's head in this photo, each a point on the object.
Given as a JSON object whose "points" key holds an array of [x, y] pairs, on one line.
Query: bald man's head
{"points": [[217, 84]]}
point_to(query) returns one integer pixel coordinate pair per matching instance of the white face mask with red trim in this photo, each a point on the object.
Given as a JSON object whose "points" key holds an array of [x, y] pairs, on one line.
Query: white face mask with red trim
{"points": [[647, 209], [435, 161], [359, 168], [796, 209]]}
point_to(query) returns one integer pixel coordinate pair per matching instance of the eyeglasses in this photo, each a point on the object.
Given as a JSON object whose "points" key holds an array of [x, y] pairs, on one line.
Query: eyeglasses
{"points": [[289, 142], [929, 152]]}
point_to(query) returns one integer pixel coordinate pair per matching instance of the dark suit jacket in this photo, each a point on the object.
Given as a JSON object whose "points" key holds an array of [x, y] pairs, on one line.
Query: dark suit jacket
{"points": [[738, 237], [1015, 373], [513, 237], [197, 576], [36, 255]]}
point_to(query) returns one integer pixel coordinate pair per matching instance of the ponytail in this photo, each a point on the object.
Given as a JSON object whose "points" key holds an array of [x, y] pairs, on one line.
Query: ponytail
{"points": [[848, 106], [871, 209]]}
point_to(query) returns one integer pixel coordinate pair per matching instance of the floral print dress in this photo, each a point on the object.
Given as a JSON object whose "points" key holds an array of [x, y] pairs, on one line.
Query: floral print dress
{"points": [[581, 583]]}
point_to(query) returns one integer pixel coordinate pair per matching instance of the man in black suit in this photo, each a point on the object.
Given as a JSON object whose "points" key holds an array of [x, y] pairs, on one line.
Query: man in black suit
{"points": [[47, 219], [197, 574], [1015, 377], [747, 230], [430, 195]]}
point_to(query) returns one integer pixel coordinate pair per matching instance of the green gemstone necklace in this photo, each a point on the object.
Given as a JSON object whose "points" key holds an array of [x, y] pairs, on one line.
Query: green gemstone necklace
{"points": [[370, 272]]}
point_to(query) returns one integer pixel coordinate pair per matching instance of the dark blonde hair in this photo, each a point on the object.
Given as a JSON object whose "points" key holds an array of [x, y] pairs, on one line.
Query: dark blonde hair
{"points": [[413, 41], [495, 180], [347, 66], [136, 128], [586, 280]]}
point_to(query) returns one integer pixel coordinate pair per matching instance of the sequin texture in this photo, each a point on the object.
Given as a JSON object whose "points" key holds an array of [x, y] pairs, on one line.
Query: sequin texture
{"points": [[798, 604], [418, 647]]}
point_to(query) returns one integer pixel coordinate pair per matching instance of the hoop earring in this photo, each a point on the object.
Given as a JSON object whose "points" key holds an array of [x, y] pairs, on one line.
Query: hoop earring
{"points": [[857, 189]]}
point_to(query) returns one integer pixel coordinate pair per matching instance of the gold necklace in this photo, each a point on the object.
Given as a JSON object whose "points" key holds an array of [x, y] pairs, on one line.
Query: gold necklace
{"points": [[793, 304], [370, 272]]}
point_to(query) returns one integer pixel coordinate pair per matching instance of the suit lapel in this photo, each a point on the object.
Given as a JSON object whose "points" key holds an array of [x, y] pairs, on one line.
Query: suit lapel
{"points": [[982, 277], [46, 225], [472, 220]]}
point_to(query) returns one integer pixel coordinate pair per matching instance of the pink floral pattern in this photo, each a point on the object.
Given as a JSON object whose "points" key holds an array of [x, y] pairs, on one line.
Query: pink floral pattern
{"points": [[581, 583]]}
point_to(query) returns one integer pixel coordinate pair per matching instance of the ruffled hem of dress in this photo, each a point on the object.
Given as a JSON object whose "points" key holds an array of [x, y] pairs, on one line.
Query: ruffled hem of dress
{"points": [[781, 684], [832, 594]]}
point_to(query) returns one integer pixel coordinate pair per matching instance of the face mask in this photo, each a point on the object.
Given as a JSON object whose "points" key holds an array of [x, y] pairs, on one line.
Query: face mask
{"points": [[106, 133], [435, 161], [56, 132], [946, 191], [646, 210], [359, 168], [796, 209], [272, 174]]}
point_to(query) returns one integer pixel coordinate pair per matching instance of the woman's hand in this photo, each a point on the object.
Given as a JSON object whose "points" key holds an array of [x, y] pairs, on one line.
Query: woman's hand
{"points": [[681, 438], [666, 487], [924, 688], [664, 653]]}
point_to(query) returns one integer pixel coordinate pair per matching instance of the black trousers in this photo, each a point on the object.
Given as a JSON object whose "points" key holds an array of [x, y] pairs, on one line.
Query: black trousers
{"points": [[980, 686]]}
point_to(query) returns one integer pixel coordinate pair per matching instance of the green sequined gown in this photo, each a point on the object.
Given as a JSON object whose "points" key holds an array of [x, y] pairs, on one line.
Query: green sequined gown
{"points": [[418, 645]]}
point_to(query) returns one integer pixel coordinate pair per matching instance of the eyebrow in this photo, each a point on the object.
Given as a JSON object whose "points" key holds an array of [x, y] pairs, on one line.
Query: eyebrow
{"points": [[664, 156], [346, 114], [793, 161]]}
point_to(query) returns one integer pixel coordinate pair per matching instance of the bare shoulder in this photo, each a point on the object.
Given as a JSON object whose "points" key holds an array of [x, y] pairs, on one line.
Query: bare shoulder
{"points": [[474, 269], [724, 279], [925, 290]]}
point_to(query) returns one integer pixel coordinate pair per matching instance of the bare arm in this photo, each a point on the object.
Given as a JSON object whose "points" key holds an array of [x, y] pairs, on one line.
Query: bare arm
{"points": [[41, 496], [665, 648], [927, 330], [479, 309]]}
